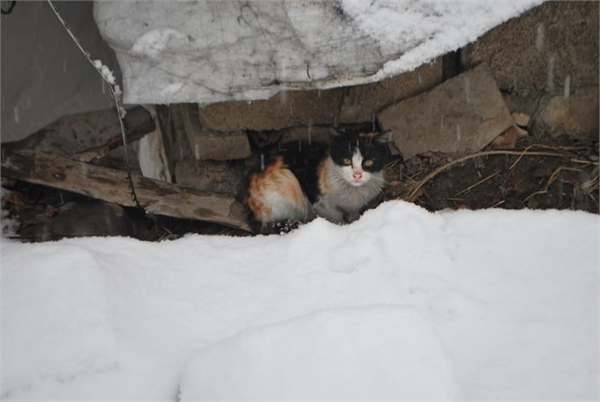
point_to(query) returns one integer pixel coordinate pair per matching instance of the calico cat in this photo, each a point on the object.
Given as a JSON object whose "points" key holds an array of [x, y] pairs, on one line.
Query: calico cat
{"points": [[337, 182]]}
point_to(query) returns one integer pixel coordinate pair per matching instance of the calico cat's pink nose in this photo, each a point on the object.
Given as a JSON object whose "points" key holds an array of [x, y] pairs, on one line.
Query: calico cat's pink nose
{"points": [[357, 175]]}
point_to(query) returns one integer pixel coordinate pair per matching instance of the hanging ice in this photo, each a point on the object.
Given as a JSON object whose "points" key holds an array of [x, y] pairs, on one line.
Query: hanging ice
{"points": [[550, 74], [539, 40], [283, 97], [567, 86]]}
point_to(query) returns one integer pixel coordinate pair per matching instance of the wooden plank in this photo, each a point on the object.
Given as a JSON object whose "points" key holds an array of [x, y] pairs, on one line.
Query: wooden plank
{"points": [[86, 136], [111, 185]]}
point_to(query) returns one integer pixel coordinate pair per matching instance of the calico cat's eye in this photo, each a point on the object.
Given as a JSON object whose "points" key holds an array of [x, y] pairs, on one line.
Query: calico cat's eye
{"points": [[347, 161], [368, 162]]}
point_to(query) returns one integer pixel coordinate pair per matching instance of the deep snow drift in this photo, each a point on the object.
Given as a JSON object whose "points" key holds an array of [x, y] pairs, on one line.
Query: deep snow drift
{"points": [[403, 303], [213, 51]]}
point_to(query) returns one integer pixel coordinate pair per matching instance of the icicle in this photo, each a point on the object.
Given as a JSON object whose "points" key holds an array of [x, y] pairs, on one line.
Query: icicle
{"points": [[539, 40], [567, 86], [16, 114], [103, 87], [283, 97], [462, 57], [197, 151], [560, 191], [44, 233], [550, 76], [262, 161]]}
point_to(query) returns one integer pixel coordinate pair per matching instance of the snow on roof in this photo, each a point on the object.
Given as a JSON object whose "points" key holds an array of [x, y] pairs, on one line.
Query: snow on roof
{"points": [[212, 51]]}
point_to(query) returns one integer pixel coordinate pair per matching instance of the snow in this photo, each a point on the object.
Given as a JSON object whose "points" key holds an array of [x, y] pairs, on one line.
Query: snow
{"points": [[327, 355], [228, 50], [478, 305], [107, 75], [153, 42]]}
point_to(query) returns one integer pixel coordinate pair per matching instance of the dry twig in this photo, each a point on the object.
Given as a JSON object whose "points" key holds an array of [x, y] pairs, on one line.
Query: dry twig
{"points": [[478, 183], [413, 193], [551, 180]]}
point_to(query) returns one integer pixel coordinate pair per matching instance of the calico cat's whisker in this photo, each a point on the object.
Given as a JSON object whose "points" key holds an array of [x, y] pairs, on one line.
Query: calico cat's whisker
{"points": [[378, 180], [337, 183], [374, 185]]}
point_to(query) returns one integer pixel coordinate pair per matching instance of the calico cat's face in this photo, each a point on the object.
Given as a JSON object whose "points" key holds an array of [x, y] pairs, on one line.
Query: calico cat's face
{"points": [[358, 156]]}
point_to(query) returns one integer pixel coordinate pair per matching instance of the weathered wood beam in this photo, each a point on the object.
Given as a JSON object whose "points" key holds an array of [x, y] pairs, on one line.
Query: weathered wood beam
{"points": [[111, 185]]}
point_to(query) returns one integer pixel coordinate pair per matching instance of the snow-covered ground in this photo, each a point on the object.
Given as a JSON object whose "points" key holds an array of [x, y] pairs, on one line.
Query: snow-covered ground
{"points": [[401, 304]]}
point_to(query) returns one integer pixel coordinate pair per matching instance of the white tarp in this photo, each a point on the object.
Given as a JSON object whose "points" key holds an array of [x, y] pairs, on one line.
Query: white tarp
{"points": [[212, 51]]}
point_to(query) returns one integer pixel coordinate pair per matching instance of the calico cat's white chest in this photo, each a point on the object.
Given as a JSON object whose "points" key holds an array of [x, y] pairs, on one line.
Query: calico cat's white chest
{"points": [[341, 202]]}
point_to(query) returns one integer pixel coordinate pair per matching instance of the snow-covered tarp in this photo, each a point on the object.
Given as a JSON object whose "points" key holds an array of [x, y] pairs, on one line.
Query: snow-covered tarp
{"points": [[212, 51], [494, 304]]}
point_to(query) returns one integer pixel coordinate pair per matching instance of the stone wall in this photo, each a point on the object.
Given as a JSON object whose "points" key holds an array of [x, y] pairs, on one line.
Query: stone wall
{"points": [[549, 50]]}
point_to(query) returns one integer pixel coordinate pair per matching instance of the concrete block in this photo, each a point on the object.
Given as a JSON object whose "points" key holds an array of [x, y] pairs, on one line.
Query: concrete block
{"points": [[464, 113]]}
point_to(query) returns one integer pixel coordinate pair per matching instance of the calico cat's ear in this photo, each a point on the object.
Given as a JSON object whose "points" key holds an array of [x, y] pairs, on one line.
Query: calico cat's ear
{"points": [[384, 137]]}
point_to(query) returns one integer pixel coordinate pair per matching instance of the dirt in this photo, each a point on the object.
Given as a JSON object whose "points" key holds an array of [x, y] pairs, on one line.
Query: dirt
{"points": [[538, 173]]}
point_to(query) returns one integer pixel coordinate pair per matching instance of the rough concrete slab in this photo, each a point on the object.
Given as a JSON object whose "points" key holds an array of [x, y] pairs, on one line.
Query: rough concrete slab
{"points": [[207, 144], [211, 176], [464, 113], [316, 134], [363, 102], [286, 109]]}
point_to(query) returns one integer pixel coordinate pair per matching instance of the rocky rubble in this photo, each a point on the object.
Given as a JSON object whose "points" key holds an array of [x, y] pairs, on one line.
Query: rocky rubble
{"points": [[528, 86]]}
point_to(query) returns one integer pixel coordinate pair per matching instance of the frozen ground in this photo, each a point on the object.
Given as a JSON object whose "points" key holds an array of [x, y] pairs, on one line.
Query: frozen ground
{"points": [[403, 303], [213, 51]]}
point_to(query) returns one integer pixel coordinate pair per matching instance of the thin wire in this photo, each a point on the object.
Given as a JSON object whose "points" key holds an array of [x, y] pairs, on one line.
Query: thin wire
{"points": [[116, 97]]}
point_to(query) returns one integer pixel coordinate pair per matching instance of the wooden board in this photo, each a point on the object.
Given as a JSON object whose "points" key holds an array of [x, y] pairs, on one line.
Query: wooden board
{"points": [[111, 185]]}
